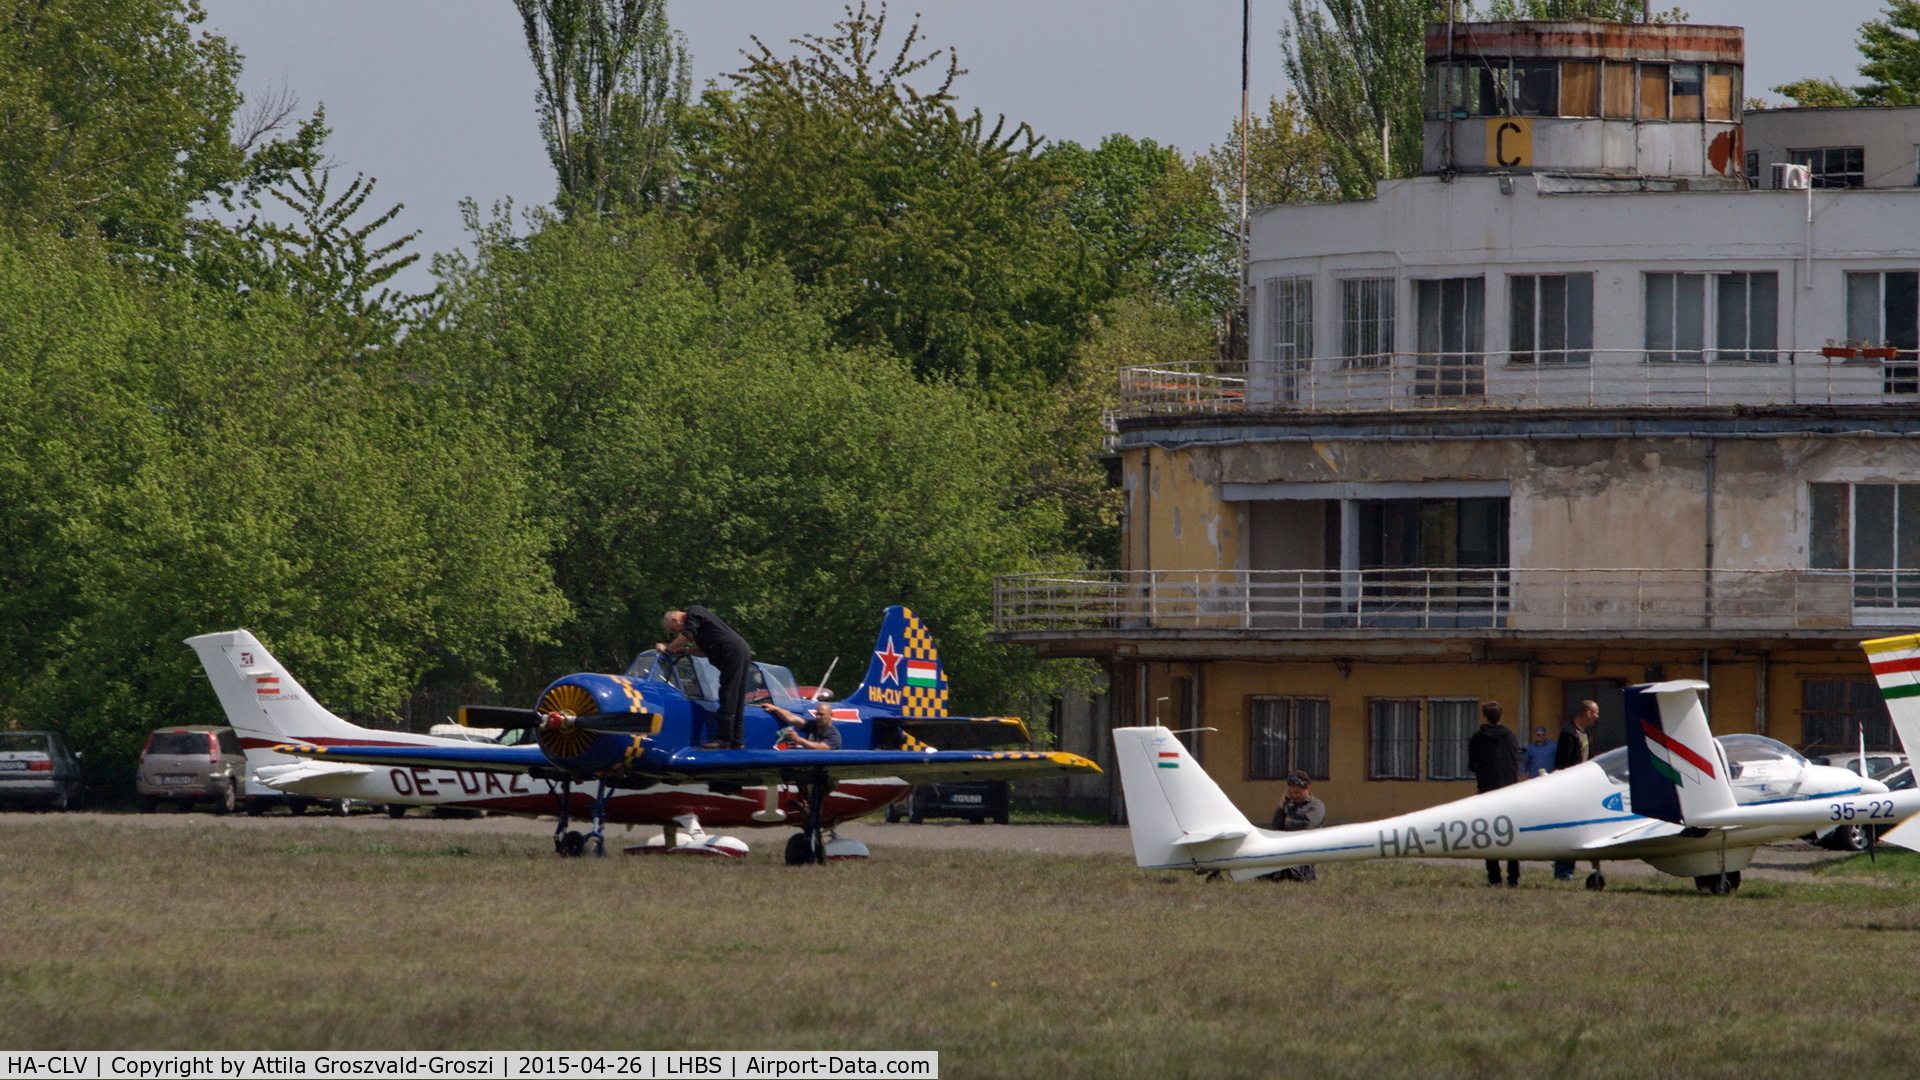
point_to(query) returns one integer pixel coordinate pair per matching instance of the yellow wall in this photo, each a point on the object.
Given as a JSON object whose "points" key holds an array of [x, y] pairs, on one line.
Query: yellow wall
{"points": [[1226, 686]]}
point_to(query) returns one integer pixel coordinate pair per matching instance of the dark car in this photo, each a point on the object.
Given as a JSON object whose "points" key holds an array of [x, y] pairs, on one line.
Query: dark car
{"points": [[37, 770], [975, 800]]}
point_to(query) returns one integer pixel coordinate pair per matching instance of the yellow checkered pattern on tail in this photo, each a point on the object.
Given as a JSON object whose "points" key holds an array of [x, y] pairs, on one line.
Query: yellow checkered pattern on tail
{"points": [[922, 700]]}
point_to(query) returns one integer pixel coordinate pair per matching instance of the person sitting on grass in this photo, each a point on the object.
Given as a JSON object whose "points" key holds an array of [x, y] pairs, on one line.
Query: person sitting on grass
{"points": [[1298, 810], [813, 732]]}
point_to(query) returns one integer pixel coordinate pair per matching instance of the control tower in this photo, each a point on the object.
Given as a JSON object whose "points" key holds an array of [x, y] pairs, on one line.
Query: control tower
{"points": [[1622, 101]]}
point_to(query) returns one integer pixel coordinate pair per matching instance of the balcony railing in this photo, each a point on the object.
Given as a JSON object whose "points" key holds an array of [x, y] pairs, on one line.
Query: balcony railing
{"points": [[1442, 598], [1593, 378]]}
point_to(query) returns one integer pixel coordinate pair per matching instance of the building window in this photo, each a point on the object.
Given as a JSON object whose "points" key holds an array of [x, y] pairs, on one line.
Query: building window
{"points": [[1186, 704], [1835, 713], [1883, 308], [1741, 310], [1404, 533], [1550, 318], [1579, 88], [1872, 530], [1287, 734], [1723, 92], [1395, 753], [1449, 324], [1916, 166], [1450, 723], [1753, 169], [1366, 321], [1687, 91], [1290, 318], [1653, 91], [1833, 166]]}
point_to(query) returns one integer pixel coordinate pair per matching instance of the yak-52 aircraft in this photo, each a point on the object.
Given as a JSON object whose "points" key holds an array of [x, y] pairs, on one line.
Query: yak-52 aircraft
{"points": [[636, 737], [1675, 797]]}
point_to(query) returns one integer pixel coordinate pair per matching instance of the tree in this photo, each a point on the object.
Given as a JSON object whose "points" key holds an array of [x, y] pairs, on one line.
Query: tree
{"points": [[116, 116], [1358, 67], [1891, 46], [933, 235], [613, 79], [1606, 10], [1288, 159]]}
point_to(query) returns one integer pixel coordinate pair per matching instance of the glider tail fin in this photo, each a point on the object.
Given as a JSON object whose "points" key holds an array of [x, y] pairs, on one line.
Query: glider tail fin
{"points": [[1171, 801], [904, 677], [1675, 769], [1896, 667], [264, 703]]}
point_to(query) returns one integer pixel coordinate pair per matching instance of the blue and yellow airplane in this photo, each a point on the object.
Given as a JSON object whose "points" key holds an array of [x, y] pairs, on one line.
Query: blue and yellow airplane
{"points": [[635, 737]]}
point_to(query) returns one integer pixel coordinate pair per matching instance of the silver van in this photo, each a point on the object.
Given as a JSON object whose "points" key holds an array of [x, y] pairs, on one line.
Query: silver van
{"points": [[187, 765], [37, 770]]}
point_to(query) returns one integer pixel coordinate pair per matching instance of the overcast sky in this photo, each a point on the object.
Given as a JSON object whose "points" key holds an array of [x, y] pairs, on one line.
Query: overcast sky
{"points": [[435, 97]]}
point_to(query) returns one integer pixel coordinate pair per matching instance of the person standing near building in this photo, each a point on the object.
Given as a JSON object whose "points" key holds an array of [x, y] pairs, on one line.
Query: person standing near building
{"points": [[1298, 810], [701, 632], [1537, 759], [1575, 747], [1493, 753]]}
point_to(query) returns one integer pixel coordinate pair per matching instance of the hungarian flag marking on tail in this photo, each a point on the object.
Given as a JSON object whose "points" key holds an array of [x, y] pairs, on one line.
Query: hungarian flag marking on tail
{"points": [[922, 673], [1170, 761], [1669, 754]]}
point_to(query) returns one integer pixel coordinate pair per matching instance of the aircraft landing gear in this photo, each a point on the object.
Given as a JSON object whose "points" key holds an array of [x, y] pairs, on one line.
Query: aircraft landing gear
{"points": [[1596, 881], [809, 845], [599, 833], [1718, 884], [567, 841]]}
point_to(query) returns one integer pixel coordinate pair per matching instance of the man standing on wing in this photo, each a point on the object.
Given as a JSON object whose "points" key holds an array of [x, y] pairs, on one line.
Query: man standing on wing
{"points": [[701, 632]]}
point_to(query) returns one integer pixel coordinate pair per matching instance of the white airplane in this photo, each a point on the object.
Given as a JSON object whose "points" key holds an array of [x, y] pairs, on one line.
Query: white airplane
{"points": [[1700, 812]]}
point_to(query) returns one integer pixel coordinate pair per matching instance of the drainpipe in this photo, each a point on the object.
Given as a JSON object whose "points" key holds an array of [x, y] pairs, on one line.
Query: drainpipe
{"points": [[1712, 467], [1760, 694], [1446, 102]]}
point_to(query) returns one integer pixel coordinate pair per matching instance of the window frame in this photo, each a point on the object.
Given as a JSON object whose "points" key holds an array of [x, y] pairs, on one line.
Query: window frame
{"points": [[1714, 289], [1436, 744], [1376, 744], [1819, 161], [1291, 721], [1364, 327], [1533, 286]]}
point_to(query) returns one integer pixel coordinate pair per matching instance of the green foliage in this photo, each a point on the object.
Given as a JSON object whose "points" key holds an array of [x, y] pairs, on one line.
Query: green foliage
{"points": [[1151, 220], [167, 469], [613, 80], [1358, 66], [115, 116], [704, 439], [929, 234], [1606, 10], [1824, 93], [1288, 159]]}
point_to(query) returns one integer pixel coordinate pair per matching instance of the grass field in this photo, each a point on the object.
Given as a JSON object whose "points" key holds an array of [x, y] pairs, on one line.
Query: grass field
{"points": [[315, 938]]}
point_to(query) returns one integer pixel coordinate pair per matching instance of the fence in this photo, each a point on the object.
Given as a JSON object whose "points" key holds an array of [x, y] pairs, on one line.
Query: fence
{"points": [[1594, 378], [1456, 598]]}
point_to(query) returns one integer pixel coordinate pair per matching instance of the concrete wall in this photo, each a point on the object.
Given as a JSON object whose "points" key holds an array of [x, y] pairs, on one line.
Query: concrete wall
{"points": [[1889, 135]]}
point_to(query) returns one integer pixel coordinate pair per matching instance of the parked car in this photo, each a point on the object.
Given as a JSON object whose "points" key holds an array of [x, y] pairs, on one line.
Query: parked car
{"points": [[1891, 769], [188, 765], [975, 800], [36, 769]]}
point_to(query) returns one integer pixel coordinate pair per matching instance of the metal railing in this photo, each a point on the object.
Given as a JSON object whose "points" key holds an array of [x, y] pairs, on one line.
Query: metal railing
{"points": [[1440, 598], [1591, 378]]}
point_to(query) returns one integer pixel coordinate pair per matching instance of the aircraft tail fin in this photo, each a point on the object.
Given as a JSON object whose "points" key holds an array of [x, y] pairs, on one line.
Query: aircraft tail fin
{"points": [[1896, 667], [1171, 801], [264, 703], [905, 676], [1675, 769]]}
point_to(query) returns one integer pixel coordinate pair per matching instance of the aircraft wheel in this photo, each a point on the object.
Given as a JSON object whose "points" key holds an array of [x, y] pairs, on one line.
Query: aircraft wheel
{"points": [[572, 844], [915, 819], [342, 808], [599, 847], [396, 810], [1718, 884], [296, 808], [1596, 881], [799, 852]]}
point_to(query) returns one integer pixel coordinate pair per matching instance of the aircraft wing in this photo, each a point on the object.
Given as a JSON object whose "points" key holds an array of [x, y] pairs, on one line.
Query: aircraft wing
{"points": [[728, 766], [479, 757]]}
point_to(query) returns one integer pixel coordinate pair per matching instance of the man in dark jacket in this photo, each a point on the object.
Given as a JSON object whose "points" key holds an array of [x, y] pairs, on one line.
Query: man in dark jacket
{"points": [[701, 632], [1299, 810], [1494, 756], [1575, 747]]}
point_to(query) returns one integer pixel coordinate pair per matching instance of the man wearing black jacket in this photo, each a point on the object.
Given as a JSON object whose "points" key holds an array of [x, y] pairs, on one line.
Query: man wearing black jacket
{"points": [[701, 632], [1494, 756], [1575, 747]]}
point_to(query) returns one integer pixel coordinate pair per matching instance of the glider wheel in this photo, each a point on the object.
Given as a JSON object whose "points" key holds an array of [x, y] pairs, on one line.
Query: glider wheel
{"points": [[1596, 881], [1718, 884]]}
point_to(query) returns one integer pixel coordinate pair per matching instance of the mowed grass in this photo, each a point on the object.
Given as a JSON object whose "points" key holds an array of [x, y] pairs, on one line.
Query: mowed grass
{"points": [[313, 937]]}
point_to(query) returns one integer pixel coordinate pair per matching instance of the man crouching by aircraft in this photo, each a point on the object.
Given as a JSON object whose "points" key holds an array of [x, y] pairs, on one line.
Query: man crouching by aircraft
{"points": [[701, 632]]}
